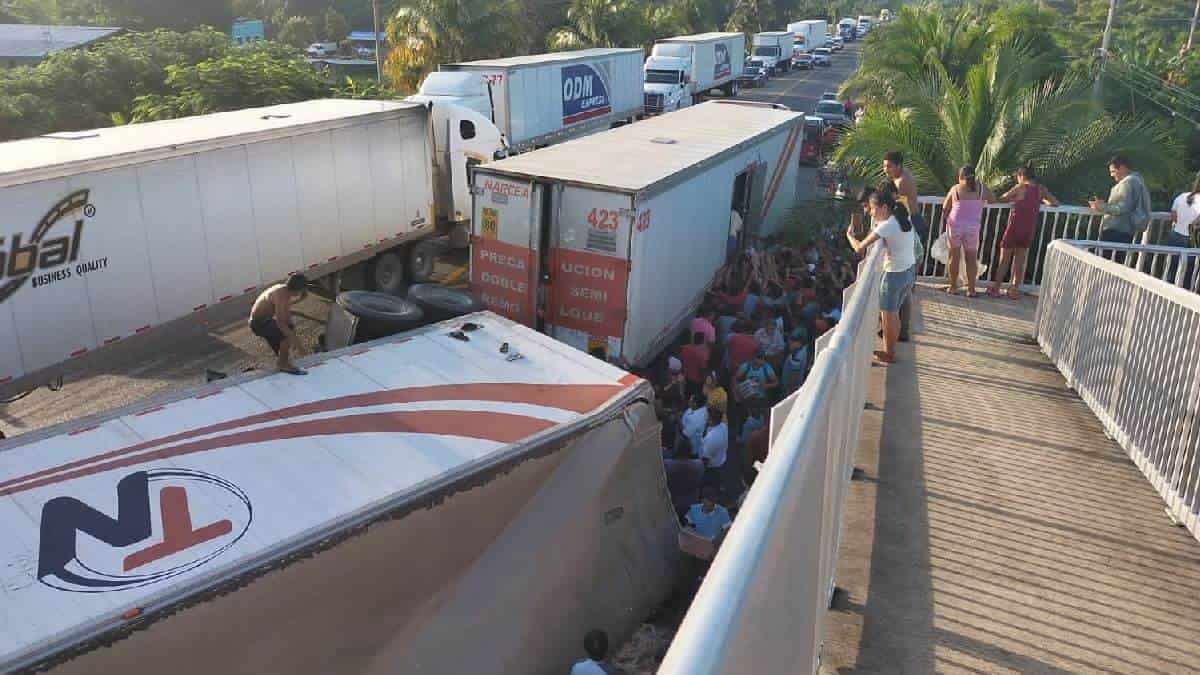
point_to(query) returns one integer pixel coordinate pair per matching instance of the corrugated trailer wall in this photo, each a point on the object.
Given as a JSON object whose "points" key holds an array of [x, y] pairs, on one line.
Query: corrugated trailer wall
{"points": [[152, 242]]}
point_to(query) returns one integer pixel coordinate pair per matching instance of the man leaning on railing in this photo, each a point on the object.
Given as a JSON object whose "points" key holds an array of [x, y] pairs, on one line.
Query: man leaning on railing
{"points": [[1127, 209]]}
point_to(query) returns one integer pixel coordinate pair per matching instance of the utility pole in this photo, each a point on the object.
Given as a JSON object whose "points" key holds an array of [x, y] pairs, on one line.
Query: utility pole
{"points": [[379, 54], [1104, 43], [1192, 31]]}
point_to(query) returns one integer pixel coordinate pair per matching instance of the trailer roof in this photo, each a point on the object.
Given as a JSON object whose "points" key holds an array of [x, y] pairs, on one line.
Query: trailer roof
{"points": [[537, 59], [779, 33], [639, 157], [701, 37], [257, 468], [67, 153]]}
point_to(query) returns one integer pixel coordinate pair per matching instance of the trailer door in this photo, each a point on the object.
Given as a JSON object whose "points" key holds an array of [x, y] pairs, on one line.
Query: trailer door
{"points": [[505, 233]]}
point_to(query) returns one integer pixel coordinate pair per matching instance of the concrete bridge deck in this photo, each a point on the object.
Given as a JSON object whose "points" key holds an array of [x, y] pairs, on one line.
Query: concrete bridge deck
{"points": [[996, 528]]}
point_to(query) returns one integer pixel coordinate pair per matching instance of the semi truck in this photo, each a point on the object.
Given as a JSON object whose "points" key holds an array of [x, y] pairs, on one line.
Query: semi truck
{"points": [[413, 505], [809, 34], [775, 49], [613, 256], [112, 232], [680, 70], [847, 27], [541, 99]]}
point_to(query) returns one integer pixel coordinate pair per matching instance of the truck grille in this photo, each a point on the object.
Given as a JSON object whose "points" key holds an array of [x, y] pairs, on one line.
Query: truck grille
{"points": [[654, 103]]}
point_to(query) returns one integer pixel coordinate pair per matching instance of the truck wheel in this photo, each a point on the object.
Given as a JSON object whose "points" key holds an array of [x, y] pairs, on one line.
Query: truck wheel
{"points": [[440, 303], [731, 89], [422, 258], [380, 314], [385, 273]]}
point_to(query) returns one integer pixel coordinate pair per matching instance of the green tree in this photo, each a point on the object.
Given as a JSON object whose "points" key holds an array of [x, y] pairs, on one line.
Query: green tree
{"points": [[336, 27], [262, 74], [298, 31], [1001, 116], [171, 14], [427, 33]]}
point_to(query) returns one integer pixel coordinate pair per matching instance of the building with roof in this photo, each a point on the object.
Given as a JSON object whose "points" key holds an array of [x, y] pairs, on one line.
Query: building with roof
{"points": [[247, 31], [24, 44], [363, 42]]}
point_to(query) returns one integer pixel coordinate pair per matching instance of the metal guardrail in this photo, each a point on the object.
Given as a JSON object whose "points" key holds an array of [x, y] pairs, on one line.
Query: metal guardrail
{"points": [[1055, 222], [1129, 344], [762, 606]]}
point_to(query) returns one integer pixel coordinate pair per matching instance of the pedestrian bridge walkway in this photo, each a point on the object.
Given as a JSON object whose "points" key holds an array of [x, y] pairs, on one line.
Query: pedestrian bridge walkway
{"points": [[995, 528]]}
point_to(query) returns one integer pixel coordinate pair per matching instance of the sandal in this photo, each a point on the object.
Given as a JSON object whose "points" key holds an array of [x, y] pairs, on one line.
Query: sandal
{"points": [[883, 357], [993, 292], [950, 290], [972, 294], [1014, 294]]}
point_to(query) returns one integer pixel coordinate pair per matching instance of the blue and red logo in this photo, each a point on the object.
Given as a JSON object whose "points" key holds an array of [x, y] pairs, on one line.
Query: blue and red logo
{"points": [[200, 516], [722, 67], [584, 94]]}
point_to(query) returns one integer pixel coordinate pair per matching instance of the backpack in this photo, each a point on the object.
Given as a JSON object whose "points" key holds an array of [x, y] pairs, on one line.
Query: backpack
{"points": [[1139, 217]]}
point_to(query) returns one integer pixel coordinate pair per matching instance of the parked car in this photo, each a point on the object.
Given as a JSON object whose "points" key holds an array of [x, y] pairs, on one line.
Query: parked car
{"points": [[753, 75], [821, 57], [836, 42], [366, 52], [829, 96], [832, 112], [321, 49], [802, 60]]}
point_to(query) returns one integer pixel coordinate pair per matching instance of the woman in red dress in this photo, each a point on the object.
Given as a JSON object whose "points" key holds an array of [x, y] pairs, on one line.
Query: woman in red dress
{"points": [[1026, 197]]}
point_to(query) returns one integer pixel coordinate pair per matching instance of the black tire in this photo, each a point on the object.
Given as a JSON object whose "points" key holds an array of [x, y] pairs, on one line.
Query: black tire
{"points": [[385, 273], [422, 259], [380, 314], [440, 303]]}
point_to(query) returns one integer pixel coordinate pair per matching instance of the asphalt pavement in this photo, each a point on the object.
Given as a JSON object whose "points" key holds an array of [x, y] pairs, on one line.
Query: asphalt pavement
{"points": [[801, 89]]}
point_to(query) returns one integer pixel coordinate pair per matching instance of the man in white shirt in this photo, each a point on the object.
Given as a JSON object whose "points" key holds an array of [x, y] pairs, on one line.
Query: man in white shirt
{"points": [[694, 423], [1184, 211], [715, 448]]}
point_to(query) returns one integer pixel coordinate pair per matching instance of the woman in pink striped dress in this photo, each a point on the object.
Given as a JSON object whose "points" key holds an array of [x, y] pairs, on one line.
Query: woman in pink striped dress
{"points": [[962, 213]]}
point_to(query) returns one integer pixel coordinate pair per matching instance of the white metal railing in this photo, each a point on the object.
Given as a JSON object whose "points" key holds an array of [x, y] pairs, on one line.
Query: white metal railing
{"points": [[1055, 222], [1129, 344], [762, 606]]}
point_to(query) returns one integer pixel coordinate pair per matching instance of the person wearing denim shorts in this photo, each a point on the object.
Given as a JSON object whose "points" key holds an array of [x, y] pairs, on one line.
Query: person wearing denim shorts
{"points": [[894, 229]]}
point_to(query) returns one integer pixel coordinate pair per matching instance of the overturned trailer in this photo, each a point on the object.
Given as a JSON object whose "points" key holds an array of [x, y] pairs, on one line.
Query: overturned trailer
{"points": [[419, 504]]}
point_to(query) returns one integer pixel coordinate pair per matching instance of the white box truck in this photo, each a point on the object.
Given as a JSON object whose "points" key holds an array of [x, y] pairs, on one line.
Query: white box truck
{"points": [[610, 242], [541, 99], [775, 49], [680, 70], [413, 505], [111, 232], [809, 34]]}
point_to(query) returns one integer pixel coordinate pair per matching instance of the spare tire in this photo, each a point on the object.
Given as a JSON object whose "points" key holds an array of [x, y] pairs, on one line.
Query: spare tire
{"points": [[440, 303], [380, 314]]}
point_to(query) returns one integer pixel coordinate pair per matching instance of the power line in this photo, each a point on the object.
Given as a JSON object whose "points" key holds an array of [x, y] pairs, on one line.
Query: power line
{"points": [[1180, 91], [1136, 87], [1143, 80]]}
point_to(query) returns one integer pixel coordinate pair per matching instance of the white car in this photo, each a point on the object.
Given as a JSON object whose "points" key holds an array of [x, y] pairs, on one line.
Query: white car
{"points": [[836, 42], [321, 49], [821, 56]]}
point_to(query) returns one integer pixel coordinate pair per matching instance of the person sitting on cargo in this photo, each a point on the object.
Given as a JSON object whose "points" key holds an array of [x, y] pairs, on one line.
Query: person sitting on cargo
{"points": [[708, 518], [271, 320], [595, 644]]}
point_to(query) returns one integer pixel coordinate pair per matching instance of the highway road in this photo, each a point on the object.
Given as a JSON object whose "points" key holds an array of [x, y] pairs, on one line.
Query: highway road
{"points": [[801, 89]]}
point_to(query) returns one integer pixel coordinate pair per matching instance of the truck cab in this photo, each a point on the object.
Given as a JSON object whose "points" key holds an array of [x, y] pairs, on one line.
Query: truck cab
{"points": [[667, 78], [770, 56]]}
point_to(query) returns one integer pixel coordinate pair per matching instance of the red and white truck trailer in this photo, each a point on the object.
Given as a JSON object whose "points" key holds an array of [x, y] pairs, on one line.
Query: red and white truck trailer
{"points": [[419, 504], [609, 242]]}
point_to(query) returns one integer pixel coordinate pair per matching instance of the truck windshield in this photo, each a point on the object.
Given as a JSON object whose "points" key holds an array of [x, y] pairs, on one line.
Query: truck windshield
{"points": [[830, 108], [766, 51], [662, 76]]}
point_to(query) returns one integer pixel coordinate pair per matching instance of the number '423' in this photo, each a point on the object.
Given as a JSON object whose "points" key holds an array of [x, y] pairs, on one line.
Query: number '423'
{"points": [[604, 219]]}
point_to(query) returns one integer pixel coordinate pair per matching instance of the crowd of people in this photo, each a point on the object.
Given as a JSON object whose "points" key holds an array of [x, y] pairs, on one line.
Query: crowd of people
{"points": [[750, 345]]}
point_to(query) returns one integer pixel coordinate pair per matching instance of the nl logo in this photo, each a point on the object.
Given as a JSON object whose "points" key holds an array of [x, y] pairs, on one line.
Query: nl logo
{"points": [[167, 522]]}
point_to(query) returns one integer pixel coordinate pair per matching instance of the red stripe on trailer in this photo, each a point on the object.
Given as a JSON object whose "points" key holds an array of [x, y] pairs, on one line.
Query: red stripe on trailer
{"points": [[313, 266], [360, 352], [225, 297], [79, 352], [84, 430], [197, 308], [151, 410], [111, 340], [486, 425], [6, 378], [332, 258], [211, 393], [781, 168], [580, 398], [630, 379], [143, 329], [249, 288]]}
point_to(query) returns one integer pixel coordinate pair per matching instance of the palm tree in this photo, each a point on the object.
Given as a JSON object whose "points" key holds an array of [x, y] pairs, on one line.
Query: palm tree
{"points": [[425, 33], [1000, 116], [611, 23]]}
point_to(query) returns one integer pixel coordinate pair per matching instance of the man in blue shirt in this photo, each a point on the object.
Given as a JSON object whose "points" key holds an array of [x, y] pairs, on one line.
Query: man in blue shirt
{"points": [[708, 518]]}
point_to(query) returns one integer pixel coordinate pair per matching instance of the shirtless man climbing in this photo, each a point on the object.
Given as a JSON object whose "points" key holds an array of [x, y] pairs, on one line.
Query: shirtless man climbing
{"points": [[271, 319]]}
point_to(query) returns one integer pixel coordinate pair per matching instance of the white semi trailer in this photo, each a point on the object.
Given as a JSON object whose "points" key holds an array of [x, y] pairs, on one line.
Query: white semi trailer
{"points": [[680, 70], [612, 255], [415, 505], [112, 232]]}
